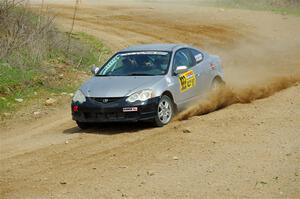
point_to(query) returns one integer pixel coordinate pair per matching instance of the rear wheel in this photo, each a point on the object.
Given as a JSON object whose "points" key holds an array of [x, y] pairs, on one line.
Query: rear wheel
{"points": [[217, 84], [83, 125], [165, 111]]}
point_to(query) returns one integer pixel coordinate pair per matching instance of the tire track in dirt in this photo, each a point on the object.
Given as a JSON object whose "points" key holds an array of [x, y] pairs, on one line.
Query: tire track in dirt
{"points": [[146, 24]]}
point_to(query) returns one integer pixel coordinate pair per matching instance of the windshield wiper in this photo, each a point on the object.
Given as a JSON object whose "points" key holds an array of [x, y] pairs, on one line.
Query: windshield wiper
{"points": [[140, 74]]}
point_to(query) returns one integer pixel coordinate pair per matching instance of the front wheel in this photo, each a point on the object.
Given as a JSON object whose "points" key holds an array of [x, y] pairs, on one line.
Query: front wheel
{"points": [[165, 111]]}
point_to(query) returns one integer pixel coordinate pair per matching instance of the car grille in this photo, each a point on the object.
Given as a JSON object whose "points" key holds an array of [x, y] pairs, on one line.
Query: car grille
{"points": [[107, 99], [110, 116]]}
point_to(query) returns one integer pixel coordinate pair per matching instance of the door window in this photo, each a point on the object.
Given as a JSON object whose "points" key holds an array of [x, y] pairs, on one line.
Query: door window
{"points": [[183, 57], [197, 55]]}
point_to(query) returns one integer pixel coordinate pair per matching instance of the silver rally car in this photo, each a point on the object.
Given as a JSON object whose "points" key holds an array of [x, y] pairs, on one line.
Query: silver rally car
{"points": [[146, 82]]}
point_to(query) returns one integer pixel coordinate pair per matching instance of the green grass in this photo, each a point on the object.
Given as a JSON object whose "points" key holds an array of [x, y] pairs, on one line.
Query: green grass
{"points": [[18, 82], [13, 78], [97, 53], [15, 83], [290, 7], [290, 11]]}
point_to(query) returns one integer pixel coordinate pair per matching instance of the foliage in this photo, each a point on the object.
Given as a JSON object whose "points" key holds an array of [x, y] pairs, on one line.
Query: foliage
{"points": [[36, 56]]}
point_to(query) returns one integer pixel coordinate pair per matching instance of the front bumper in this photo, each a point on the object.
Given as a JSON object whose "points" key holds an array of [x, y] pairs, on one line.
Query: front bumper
{"points": [[113, 111]]}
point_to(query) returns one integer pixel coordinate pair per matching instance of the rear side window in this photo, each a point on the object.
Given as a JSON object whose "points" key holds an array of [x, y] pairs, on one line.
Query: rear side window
{"points": [[197, 55], [183, 57]]}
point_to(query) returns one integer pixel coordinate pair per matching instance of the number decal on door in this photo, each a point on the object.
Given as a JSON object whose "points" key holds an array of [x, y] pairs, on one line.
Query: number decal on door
{"points": [[187, 81]]}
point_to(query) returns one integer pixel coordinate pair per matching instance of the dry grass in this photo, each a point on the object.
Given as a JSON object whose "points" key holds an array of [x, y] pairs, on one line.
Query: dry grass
{"points": [[34, 55], [24, 37]]}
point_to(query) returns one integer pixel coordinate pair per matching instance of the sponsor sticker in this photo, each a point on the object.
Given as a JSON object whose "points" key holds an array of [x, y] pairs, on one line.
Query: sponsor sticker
{"points": [[187, 81], [130, 109], [198, 57], [110, 64], [145, 53]]}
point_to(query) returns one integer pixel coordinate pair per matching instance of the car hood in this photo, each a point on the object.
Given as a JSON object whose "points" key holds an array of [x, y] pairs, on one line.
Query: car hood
{"points": [[117, 86]]}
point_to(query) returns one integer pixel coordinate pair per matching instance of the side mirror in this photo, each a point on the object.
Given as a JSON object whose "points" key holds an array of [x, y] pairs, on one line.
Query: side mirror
{"points": [[94, 70], [180, 69]]}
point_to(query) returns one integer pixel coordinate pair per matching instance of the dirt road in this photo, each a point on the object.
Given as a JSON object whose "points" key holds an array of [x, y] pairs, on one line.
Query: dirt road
{"points": [[242, 151]]}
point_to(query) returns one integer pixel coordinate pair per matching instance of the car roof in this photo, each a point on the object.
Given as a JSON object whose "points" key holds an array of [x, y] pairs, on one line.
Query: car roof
{"points": [[153, 47]]}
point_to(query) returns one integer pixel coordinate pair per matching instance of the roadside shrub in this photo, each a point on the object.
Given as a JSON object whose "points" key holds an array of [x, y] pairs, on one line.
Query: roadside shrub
{"points": [[27, 39], [35, 55], [23, 35]]}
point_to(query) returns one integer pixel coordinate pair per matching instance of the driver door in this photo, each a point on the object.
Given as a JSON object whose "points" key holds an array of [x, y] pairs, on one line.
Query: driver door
{"points": [[184, 83]]}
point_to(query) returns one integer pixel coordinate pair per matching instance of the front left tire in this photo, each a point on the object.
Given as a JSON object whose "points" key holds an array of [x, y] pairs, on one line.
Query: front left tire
{"points": [[165, 111]]}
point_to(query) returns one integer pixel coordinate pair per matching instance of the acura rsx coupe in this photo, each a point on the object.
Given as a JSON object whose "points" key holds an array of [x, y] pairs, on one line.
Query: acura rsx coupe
{"points": [[146, 82]]}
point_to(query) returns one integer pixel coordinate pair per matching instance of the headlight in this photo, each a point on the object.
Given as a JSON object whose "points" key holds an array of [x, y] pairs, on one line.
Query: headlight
{"points": [[140, 96], [79, 97]]}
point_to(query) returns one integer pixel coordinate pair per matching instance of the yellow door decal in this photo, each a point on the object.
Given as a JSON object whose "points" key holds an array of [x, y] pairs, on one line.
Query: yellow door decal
{"points": [[187, 80]]}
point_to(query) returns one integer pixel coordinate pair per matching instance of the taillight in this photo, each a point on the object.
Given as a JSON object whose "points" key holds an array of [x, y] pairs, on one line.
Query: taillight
{"points": [[75, 108]]}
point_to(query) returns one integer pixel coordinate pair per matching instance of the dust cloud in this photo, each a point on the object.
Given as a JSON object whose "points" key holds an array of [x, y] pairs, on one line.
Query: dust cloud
{"points": [[227, 96]]}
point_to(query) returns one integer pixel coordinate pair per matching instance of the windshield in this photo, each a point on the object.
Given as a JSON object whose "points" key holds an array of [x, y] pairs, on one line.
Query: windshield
{"points": [[148, 63]]}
